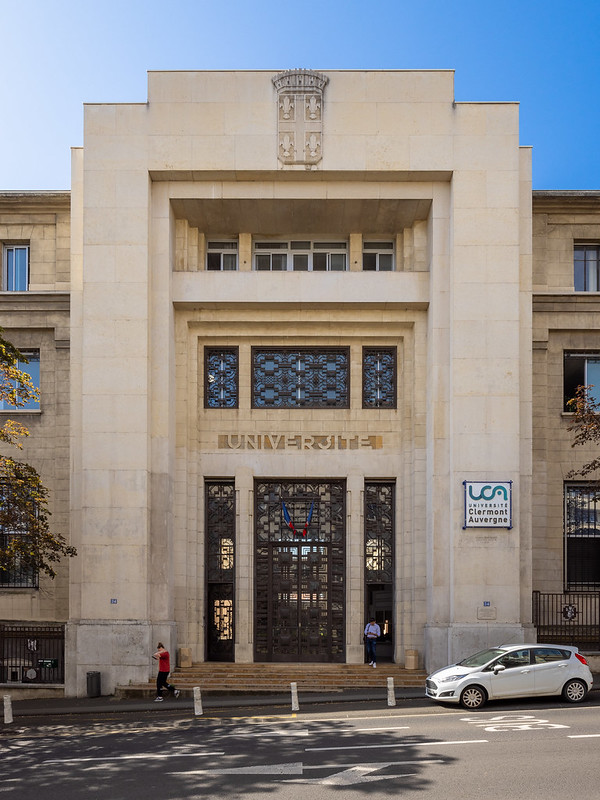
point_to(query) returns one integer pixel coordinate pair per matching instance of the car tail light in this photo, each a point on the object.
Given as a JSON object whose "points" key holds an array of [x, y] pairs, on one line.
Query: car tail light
{"points": [[580, 658]]}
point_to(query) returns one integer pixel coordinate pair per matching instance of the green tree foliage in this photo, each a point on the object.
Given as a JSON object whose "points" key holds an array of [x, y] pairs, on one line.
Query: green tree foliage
{"points": [[586, 425], [27, 543]]}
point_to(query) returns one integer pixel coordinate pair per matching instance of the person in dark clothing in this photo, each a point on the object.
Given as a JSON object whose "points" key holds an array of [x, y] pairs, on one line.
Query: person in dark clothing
{"points": [[372, 633]]}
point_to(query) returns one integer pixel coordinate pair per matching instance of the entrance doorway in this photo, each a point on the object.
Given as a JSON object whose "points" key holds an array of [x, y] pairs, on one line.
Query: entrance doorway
{"points": [[300, 565]]}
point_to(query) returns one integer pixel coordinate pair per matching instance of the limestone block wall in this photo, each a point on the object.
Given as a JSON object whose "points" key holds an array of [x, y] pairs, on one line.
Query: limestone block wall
{"points": [[39, 319], [563, 320]]}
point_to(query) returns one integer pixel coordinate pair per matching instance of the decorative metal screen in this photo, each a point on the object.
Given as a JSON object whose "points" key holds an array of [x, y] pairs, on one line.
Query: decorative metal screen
{"points": [[32, 653], [379, 532], [582, 536], [221, 378], [379, 377], [220, 569], [300, 378], [300, 568]]}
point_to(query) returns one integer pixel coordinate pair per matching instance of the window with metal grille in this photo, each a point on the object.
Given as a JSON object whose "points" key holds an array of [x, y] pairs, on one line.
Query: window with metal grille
{"points": [[220, 569], [221, 377], [582, 536], [586, 267], [379, 377], [17, 514], [300, 378]]}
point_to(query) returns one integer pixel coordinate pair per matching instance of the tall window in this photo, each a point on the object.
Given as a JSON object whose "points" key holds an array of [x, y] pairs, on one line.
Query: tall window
{"points": [[300, 256], [379, 377], [32, 368], [378, 256], [582, 537], [15, 520], [222, 255], [221, 377], [300, 378], [581, 369], [587, 266], [379, 518], [15, 268], [220, 569]]}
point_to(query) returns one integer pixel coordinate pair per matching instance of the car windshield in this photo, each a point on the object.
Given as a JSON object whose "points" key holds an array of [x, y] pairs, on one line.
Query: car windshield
{"points": [[481, 658]]}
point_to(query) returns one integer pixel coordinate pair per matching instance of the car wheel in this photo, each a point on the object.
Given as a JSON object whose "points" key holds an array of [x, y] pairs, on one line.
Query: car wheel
{"points": [[473, 697], [574, 691]]}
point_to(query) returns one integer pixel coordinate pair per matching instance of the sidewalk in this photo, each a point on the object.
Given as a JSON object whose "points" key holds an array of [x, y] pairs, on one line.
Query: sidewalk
{"points": [[111, 705]]}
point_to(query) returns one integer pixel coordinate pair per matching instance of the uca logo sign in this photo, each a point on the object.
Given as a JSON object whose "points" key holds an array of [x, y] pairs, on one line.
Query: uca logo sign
{"points": [[488, 504]]}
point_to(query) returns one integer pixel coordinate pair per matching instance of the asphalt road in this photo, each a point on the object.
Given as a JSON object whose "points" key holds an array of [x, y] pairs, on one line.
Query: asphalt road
{"points": [[538, 750]]}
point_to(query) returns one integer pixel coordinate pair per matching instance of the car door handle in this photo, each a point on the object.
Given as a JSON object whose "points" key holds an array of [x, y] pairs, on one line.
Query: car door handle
{"points": [[525, 671]]}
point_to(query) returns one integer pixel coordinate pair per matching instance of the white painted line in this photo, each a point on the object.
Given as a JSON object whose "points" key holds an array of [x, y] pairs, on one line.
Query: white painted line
{"points": [[362, 730], [292, 768], [585, 736], [275, 732], [398, 744], [134, 757]]}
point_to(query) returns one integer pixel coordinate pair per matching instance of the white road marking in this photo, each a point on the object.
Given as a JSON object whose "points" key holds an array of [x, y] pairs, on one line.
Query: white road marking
{"points": [[349, 777], [362, 730], [584, 736], [398, 744], [292, 768], [134, 757], [512, 722]]}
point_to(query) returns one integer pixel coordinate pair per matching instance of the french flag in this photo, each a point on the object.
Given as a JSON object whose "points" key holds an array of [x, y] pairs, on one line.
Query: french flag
{"points": [[287, 519]]}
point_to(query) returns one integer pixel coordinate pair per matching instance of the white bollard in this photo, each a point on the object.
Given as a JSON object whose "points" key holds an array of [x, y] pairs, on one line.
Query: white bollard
{"points": [[8, 715], [391, 694], [197, 702], [295, 706]]}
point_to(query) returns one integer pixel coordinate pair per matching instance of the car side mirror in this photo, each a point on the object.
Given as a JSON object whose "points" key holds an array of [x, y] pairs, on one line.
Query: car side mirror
{"points": [[499, 668]]}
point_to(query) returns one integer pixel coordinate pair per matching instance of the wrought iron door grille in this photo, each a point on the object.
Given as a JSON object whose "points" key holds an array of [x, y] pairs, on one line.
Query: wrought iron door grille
{"points": [[220, 569], [300, 578], [582, 537], [379, 377], [300, 378], [379, 532]]}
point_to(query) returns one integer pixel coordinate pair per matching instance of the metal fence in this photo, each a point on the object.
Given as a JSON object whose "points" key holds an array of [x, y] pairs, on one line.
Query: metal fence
{"points": [[32, 653], [568, 618]]}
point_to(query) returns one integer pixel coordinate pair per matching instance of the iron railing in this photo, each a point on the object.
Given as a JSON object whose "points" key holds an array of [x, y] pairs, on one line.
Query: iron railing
{"points": [[568, 618], [32, 653]]}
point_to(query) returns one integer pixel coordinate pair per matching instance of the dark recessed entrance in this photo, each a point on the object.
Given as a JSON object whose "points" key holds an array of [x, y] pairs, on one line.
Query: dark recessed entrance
{"points": [[300, 564]]}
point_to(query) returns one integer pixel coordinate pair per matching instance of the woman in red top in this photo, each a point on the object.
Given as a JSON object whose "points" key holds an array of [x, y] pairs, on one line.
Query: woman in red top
{"points": [[164, 667]]}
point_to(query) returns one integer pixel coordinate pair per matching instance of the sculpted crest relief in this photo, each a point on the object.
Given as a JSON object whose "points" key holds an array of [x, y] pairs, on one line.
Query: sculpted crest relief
{"points": [[300, 117]]}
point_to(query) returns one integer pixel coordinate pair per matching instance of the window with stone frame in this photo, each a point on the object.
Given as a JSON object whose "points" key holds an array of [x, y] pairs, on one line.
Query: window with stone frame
{"points": [[15, 267], [30, 365], [580, 369], [586, 259]]}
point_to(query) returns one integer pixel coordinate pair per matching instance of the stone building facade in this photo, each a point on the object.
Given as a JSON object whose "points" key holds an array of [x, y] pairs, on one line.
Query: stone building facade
{"points": [[303, 311]]}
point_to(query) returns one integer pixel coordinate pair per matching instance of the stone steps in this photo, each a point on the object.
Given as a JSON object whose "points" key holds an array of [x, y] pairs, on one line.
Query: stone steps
{"points": [[256, 678]]}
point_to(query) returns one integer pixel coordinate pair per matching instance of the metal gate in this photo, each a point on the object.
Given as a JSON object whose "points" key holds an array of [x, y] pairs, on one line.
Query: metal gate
{"points": [[300, 565]]}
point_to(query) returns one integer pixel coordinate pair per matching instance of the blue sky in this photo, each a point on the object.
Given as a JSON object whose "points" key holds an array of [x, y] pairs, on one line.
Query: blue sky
{"points": [[59, 54]]}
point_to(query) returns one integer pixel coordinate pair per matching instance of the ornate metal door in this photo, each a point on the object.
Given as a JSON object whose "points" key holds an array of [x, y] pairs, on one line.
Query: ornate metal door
{"points": [[300, 571]]}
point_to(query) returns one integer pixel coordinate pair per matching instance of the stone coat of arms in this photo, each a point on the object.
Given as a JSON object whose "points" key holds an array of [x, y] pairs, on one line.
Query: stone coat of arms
{"points": [[300, 117]]}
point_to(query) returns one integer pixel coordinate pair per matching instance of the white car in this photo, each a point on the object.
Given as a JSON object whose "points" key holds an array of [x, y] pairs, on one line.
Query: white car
{"points": [[512, 670]]}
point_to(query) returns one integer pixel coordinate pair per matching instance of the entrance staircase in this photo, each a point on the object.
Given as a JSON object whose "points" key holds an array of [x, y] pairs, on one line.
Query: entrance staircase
{"points": [[229, 678]]}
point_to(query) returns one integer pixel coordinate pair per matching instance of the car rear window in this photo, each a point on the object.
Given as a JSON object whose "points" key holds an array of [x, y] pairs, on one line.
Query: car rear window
{"points": [[544, 655]]}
